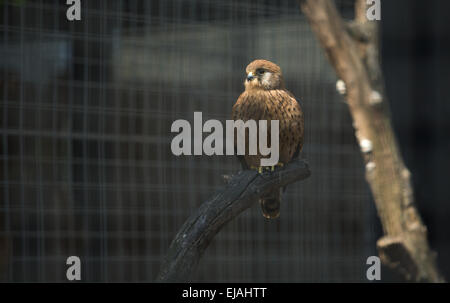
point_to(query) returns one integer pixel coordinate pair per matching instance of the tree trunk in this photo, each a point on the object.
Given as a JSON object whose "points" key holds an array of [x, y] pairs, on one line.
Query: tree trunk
{"points": [[353, 51]]}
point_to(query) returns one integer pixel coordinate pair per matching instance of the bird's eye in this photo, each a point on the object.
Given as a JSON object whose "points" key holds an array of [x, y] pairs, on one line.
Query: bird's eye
{"points": [[260, 71]]}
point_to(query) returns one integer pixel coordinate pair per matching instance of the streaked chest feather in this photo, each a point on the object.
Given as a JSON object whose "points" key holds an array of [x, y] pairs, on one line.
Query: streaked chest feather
{"points": [[266, 105]]}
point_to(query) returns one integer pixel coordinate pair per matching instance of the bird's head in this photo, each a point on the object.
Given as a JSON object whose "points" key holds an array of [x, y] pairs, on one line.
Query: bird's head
{"points": [[263, 74]]}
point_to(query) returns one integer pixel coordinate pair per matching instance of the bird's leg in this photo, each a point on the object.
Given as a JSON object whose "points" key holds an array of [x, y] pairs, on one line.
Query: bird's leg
{"points": [[279, 164], [273, 167], [261, 169]]}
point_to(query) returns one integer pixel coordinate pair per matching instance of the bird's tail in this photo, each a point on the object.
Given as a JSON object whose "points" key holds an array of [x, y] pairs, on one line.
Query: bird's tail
{"points": [[270, 204]]}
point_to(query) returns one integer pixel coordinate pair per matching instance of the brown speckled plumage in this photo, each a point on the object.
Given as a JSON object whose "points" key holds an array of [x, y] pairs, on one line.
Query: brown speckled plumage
{"points": [[265, 98]]}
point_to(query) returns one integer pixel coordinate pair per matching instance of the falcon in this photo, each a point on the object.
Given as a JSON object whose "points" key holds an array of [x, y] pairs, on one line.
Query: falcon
{"points": [[266, 98]]}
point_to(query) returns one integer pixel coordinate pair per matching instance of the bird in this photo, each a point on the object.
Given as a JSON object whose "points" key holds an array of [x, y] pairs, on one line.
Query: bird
{"points": [[266, 98]]}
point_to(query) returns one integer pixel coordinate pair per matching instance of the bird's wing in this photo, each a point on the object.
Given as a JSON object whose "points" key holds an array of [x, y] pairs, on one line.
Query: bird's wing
{"points": [[300, 120], [236, 114], [300, 144]]}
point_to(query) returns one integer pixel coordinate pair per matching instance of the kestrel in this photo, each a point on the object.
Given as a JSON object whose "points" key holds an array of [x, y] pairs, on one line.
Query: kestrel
{"points": [[266, 98]]}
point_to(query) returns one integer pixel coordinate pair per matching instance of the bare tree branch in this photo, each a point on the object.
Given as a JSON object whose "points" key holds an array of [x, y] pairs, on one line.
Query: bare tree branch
{"points": [[354, 54], [360, 31], [243, 189]]}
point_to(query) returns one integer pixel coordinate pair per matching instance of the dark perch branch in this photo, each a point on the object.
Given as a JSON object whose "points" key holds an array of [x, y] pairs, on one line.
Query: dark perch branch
{"points": [[240, 193]]}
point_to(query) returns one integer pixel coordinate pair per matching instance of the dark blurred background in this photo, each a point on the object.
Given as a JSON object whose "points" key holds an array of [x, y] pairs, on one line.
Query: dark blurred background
{"points": [[416, 64], [86, 110]]}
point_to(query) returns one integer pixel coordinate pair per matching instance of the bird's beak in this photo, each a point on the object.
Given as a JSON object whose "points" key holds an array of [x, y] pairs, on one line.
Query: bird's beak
{"points": [[250, 76]]}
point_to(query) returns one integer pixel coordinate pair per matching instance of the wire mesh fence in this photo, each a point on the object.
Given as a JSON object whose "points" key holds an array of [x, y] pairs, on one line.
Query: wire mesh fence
{"points": [[86, 165]]}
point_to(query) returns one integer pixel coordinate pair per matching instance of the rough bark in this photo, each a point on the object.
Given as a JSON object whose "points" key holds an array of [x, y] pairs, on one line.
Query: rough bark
{"points": [[242, 190], [352, 49]]}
